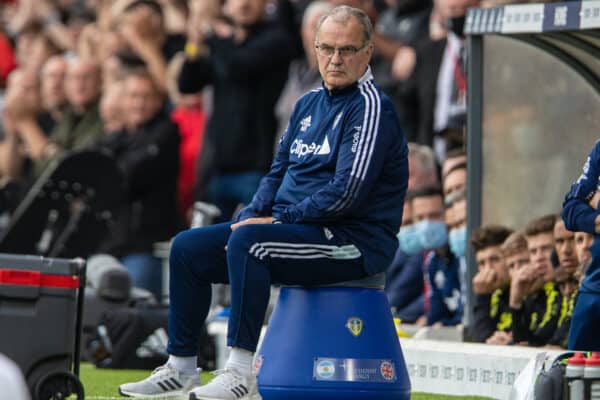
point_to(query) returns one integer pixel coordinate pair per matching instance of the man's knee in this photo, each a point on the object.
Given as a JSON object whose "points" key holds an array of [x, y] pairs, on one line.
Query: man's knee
{"points": [[181, 244], [244, 237], [193, 245]]}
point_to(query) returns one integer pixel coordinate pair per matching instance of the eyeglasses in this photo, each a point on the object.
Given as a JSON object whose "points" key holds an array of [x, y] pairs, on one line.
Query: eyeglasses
{"points": [[344, 52]]}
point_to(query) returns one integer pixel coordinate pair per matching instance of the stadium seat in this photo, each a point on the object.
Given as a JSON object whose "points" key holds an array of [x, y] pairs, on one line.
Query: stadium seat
{"points": [[332, 342]]}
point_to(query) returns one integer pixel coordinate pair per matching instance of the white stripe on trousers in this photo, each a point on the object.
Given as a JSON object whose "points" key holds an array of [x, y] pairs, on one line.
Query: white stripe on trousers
{"points": [[303, 250]]}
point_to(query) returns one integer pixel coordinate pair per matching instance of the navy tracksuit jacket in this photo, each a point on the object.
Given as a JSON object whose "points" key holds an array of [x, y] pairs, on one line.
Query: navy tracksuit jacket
{"points": [[342, 163]]}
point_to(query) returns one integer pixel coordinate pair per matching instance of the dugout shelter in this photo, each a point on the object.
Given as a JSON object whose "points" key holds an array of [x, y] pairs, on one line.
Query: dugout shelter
{"points": [[533, 109]]}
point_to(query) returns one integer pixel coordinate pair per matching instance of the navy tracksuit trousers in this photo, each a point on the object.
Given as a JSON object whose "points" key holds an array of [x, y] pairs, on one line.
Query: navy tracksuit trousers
{"points": [[256, 257]]}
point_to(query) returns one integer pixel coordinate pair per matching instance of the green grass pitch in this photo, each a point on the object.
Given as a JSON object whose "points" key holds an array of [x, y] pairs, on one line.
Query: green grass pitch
{"points": [[101, 384]]}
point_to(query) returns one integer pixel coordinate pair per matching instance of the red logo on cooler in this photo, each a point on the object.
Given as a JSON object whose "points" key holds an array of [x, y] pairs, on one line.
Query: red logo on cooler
{"points": [[387, 370], [257, 364]]}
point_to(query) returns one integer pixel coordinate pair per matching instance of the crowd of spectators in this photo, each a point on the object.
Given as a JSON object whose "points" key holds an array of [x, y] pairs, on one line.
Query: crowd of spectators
{"points": [[190, 98]]}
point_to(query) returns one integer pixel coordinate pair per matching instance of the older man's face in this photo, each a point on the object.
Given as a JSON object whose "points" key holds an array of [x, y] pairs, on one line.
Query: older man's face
{"points": [[53, 77], [82, 83], [343, 67]]}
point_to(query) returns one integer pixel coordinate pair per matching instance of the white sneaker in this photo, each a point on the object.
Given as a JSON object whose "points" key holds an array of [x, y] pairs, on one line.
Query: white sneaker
{"points": [[164, 382], [228, 384]]}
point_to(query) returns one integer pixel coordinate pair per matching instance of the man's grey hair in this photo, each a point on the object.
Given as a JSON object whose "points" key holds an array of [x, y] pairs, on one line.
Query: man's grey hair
{"points": [[423, 156], [342, 15], [76, 60], [318, 7]]}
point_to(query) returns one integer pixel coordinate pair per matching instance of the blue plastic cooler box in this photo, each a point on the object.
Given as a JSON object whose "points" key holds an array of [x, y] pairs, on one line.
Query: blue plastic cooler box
{"points": [[332, 343]]}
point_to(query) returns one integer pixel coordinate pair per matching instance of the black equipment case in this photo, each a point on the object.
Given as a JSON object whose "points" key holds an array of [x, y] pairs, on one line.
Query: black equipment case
{"points": [[41, 306]]}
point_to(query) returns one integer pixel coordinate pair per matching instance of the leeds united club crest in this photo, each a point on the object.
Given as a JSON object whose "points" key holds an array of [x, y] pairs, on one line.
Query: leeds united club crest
{"points": [[355, 326]]}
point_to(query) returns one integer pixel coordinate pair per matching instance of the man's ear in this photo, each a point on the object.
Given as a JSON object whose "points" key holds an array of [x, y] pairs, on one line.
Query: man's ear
{"points": [[370, 49]]}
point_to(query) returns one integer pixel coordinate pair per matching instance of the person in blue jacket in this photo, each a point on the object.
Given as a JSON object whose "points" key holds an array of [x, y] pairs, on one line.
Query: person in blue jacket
{"points": [[404, 276], [404, 286], [327, 211], [580, 213], [446, 307]]}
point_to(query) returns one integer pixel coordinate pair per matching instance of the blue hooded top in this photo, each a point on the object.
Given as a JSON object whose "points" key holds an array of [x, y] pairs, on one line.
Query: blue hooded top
{"points": [[342, 164]]}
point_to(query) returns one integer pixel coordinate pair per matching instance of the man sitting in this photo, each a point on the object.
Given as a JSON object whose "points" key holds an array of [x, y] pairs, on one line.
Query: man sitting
{"points": [[534, 299], [327, 212], [491, 284]]}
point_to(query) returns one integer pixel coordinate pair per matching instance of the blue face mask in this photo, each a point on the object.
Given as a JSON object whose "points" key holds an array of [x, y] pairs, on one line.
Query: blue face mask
{"points": [[458, 241], [409, 241], [432, 234]]}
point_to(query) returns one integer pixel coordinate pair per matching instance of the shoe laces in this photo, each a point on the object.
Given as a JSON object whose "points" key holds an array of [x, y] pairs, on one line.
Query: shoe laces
{"points": [[220, 377], [181, 374], [161, 368]]}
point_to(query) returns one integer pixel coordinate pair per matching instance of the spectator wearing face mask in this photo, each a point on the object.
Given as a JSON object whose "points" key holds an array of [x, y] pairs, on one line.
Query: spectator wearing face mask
{"points": [[442, 298], [404, 286], [415, 239], [447, 300], [534, 298], [454, 185], [423, 177], [456, 220], [404, 277], [490, 284]]}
